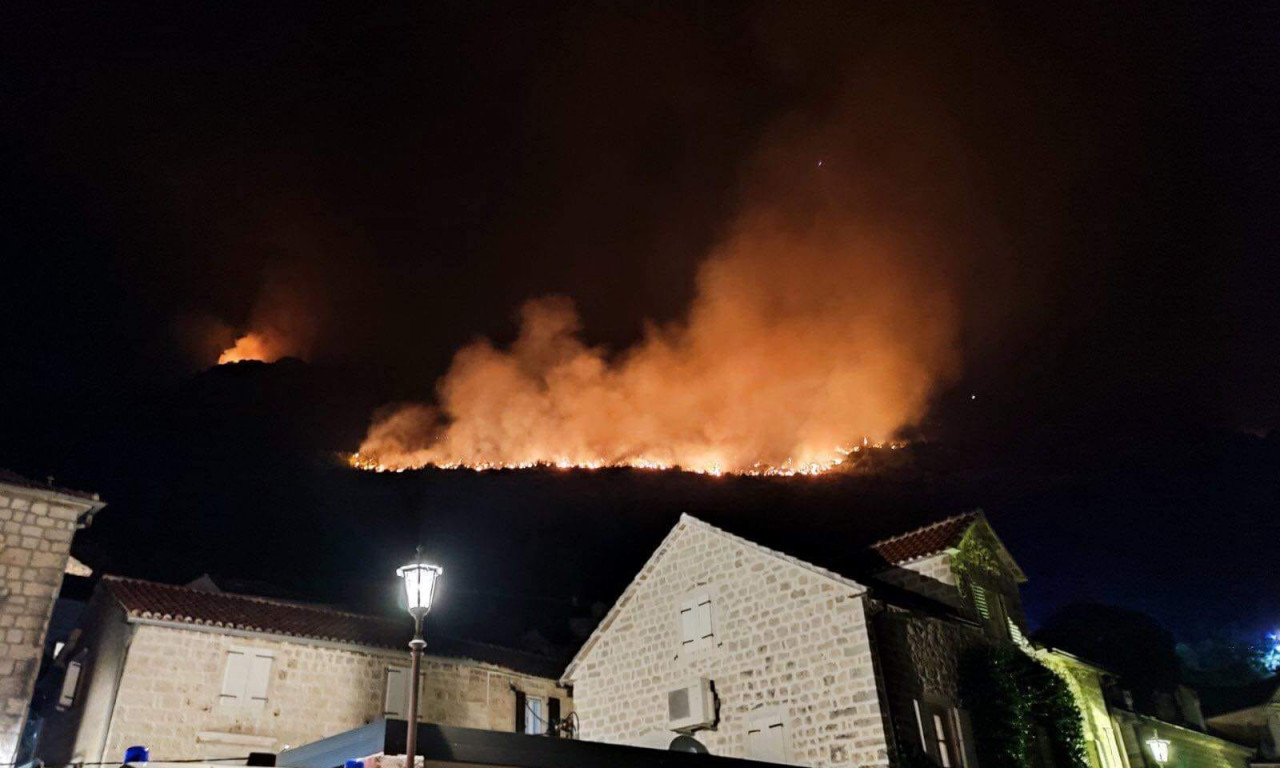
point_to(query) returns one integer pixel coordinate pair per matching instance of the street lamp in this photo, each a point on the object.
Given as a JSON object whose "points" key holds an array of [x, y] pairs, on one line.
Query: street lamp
{"points": [[1159, 747], [419, 589]]}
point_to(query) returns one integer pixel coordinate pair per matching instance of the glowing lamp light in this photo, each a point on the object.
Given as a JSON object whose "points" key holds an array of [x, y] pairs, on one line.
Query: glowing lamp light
{"points": [[1159, 748], [419, 585]]}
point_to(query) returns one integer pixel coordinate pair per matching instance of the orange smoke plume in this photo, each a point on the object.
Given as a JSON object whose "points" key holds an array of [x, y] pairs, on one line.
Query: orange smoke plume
{"points": [[802, 346], [283, 325], [254, 346], [820, 325]]}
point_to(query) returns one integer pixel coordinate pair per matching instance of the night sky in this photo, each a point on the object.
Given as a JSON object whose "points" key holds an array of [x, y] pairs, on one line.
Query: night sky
{"points": [[1097, 179]]}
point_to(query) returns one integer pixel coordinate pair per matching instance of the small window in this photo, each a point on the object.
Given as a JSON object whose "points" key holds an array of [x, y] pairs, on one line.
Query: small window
{"points": [[535, 718], [942, 734], [247, 676], [697, 627], [990, 606], [767, 740], [70, 682]]}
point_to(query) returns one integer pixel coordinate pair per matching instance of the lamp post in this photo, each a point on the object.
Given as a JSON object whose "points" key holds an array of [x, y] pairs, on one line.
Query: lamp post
{"points": [[419, 588], [1159, 747]]}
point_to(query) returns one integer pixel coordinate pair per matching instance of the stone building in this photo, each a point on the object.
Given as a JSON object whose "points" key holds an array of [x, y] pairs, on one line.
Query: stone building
{"points": [[760, 655], [193, 673], [37, 522]]}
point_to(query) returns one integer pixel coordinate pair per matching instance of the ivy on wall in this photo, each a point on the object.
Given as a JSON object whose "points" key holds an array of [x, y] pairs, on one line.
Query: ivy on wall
{"points": [[1014, 700]]}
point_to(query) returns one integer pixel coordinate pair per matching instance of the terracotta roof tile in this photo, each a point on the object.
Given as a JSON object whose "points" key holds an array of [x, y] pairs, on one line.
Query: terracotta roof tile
{"points": [[925, 541], [166, 602]]}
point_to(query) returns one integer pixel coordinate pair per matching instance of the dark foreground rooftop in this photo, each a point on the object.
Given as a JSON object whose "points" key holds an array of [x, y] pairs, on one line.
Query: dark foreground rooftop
{"points": [[447, 746]]}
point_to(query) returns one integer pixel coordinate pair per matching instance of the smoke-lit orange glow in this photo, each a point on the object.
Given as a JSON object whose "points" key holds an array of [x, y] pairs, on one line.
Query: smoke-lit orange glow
{"points": [[253, 346], [283, 325], [782, 367], [820, 326]]}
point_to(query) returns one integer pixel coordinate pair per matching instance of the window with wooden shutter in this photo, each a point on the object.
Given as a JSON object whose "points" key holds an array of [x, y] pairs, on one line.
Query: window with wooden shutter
{"points": [[70, 683], [396, 703], [943, 734], [697, 621], [521, 714], [247, 676]]}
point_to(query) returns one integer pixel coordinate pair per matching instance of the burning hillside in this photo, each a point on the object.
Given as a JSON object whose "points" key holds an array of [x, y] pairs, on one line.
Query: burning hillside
{"points": [[283, 325], [822, 322], [802, 346]]}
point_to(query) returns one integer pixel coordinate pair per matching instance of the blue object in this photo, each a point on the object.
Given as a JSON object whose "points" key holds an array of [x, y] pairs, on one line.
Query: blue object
{"points": [[354, 764], [140, 754]]}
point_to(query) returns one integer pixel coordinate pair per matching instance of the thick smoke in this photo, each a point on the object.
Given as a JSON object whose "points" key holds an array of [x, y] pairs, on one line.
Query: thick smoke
{"points": [[283, 324], [812, 329]]}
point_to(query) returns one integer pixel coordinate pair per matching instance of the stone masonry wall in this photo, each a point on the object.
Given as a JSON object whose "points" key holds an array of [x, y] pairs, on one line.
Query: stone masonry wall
{"points": [[920, 657], [786, 639], [36, 527], [169, 696]]}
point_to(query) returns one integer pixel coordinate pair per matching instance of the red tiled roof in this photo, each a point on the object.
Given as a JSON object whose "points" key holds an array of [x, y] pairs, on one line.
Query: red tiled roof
{"points": [[166, 602], [925, 541]]}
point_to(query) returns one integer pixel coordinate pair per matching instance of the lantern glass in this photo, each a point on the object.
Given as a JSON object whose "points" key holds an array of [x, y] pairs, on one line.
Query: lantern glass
{"points": [[1159, 749], [419, 585]]}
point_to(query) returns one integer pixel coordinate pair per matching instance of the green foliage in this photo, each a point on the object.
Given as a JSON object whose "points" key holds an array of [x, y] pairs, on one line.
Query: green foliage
{"points": [[1013, 699]]}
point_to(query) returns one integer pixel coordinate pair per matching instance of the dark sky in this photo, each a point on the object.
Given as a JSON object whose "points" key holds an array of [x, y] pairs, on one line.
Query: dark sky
{"points": [[411, 174]]}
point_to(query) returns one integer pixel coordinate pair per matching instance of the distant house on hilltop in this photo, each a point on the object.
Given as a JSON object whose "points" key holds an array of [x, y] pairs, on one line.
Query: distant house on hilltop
{"points": [[193, 672], [757, 654]]}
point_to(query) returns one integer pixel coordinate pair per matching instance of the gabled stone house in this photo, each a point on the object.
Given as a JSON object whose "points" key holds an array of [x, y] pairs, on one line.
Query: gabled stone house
{"points": [[761, 655], [37, 523], [197, 673]]}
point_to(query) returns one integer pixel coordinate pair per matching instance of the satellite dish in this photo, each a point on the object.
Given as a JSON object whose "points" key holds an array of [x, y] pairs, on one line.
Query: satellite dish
{"points": [[683, 743]]}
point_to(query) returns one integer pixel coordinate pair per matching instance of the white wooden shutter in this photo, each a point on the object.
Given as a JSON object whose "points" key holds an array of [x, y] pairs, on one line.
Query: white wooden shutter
{"points": [[69, 684], [396, 704], [259, 677], [980, 600], [924, 739], [688, 622], [236, 676], [703, 629]]}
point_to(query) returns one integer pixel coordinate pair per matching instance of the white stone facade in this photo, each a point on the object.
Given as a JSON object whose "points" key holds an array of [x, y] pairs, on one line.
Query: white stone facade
{"points": [[790, 646], [36, 527], [160, 685]]}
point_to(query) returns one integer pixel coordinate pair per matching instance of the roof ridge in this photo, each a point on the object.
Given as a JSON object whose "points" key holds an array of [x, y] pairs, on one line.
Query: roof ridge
{"points": [[792, 559], [248, 598], [936, 524]]}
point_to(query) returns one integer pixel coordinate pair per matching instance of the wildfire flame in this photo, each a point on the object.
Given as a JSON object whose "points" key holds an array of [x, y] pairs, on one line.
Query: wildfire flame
{"points": [[839, 456], [252, 346]]}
